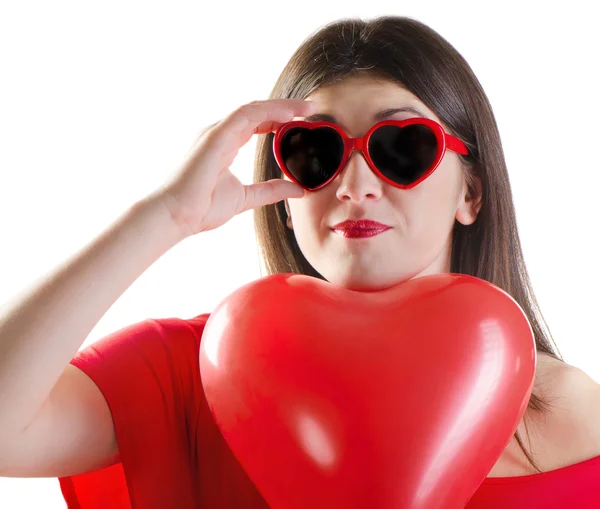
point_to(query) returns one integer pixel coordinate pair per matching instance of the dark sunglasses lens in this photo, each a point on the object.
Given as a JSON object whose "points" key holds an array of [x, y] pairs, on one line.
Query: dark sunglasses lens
{"points": [[403, 154], [312, 155]]}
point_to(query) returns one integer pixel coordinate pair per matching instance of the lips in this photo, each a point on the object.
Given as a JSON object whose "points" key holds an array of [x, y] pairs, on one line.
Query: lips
{"points": [[360, 228], [359, 223]]}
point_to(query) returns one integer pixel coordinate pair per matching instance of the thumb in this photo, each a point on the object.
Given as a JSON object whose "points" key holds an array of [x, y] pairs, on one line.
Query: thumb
{"points": [[271, 191]]}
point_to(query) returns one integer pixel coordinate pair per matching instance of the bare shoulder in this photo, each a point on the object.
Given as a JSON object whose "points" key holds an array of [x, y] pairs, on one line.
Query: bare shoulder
{"points": [[566, 386], [570, 428], [566, 432]]}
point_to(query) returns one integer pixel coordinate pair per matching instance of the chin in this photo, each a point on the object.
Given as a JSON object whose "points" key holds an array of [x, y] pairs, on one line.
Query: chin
{"points": [[369, 283]]}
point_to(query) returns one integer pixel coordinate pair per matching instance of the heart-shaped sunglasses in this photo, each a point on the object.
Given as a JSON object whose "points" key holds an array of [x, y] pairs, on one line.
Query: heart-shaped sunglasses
{"points": [[401, 152]]}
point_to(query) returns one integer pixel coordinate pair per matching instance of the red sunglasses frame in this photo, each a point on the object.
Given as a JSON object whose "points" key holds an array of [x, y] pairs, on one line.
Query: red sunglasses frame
{"points": [[444, 141]]}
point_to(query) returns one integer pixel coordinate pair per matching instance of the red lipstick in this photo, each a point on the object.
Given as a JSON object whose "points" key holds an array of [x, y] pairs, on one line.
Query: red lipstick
{"points": [[360, 228]]}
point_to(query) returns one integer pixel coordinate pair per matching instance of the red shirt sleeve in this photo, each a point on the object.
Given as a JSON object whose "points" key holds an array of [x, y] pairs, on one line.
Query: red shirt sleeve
{"points": [[148, 373]]}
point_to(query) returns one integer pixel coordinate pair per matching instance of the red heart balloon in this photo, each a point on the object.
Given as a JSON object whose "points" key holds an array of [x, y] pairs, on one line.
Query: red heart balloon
{"points": [[400, 398]]}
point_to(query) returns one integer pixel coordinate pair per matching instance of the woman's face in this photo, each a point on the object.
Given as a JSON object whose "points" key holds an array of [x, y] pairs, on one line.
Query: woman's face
{"points": [[421, 219]]}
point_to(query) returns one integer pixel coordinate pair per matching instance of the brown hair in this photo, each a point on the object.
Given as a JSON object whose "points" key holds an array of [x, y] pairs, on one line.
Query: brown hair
{"points": [[417, 58]]}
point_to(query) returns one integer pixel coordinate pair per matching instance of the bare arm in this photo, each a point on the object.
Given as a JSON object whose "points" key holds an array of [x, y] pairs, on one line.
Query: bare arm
{"points": [[54, 421], [43, 329]]}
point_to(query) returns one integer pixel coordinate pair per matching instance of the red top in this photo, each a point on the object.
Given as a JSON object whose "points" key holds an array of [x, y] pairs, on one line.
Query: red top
{"points": [[172, 453]]}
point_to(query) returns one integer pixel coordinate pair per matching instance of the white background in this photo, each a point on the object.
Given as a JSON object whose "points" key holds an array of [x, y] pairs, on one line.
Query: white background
{"points": [[100, 101]]}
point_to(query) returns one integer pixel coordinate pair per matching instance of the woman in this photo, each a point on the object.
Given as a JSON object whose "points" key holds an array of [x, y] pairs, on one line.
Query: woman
{"points": [[125, 422]]}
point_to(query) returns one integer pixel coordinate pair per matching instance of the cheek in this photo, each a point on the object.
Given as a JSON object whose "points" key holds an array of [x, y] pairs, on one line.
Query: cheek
{"points": [[302, 212], [431, 206], [440, 190], [307, 219]]}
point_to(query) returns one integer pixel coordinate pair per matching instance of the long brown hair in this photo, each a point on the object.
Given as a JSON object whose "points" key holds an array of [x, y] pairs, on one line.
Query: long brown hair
{"points": [[417, 58]]}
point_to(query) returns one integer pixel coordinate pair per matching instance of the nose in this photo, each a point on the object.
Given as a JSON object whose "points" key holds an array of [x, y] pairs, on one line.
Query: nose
{"points": [[357, 181]]}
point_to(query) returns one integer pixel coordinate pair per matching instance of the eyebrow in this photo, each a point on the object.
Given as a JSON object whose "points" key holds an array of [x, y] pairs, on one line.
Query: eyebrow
{"points": [[382, 115]]}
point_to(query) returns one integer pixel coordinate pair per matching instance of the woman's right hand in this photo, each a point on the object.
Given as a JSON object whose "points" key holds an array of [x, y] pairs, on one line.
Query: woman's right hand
{"points": [[203, 194]]}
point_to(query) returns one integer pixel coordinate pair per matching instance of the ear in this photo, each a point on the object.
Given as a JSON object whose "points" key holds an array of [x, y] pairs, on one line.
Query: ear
{"points": [[289, 215], [470, 203]]}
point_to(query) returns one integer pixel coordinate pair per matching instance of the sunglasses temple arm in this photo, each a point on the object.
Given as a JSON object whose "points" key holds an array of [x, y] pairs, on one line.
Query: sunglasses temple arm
{"points": [[456, 145]]}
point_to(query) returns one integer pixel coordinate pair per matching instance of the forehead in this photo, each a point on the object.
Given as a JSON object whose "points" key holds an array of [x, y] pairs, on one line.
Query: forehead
{"points": [[364, 100]]}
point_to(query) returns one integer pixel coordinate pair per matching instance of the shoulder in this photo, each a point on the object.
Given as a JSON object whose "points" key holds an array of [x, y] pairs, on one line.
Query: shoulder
{"points": [[177, 334], [154, 348], [178, 340], [566, 386], [569, 430]]}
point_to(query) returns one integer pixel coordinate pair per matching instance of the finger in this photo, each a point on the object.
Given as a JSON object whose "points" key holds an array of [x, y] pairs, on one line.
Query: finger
{"points": [[266, 127], [271, 191], [258, 117]]}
